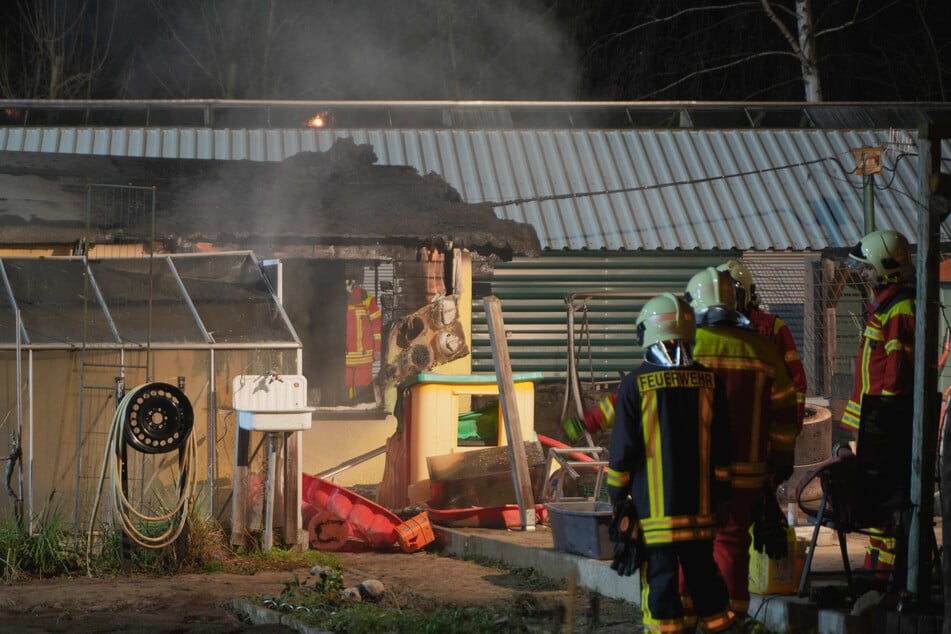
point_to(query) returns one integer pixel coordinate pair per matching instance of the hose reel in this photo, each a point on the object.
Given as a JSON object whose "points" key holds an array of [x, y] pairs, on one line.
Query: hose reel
{"points": [[157, 418]]}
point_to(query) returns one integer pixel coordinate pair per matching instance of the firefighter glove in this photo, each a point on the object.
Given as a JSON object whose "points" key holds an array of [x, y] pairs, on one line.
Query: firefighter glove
{"points": [[769, 526], [628, 551], [573, 427]]}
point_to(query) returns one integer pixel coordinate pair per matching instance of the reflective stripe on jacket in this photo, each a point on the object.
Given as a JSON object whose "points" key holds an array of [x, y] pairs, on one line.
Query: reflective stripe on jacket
{"points": [[761, 396]]}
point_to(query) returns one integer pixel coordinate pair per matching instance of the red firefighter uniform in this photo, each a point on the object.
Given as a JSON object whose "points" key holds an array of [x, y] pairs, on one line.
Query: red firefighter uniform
{"points": [[775, 329], [670, 449], [885, 367], [764, 422], [364, 327], [887, 350]]}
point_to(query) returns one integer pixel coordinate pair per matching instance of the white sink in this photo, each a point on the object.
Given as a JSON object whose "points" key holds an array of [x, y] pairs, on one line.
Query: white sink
{"points": [[271, 402]]}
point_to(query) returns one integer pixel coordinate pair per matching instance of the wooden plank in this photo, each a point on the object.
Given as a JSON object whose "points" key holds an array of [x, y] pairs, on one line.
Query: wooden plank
{"points": [[292, 489], [510, 417], [239, 496]]}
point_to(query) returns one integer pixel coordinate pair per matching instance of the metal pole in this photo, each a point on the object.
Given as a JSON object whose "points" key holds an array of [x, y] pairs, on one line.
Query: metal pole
{"points": [[19, 440], [212, 432], [924, 423], [269, 493], [869, 203]]}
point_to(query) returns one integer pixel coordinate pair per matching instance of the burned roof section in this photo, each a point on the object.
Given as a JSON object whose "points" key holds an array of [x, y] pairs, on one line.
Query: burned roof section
{"points": [[340, 196]]}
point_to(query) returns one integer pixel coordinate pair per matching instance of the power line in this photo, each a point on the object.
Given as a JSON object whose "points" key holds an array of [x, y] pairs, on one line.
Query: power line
{"points": [[680, 183]]}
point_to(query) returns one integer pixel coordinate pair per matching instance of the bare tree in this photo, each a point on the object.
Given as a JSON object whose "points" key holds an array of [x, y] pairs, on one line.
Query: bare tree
{"points": [[756, 49], [55, 49]]}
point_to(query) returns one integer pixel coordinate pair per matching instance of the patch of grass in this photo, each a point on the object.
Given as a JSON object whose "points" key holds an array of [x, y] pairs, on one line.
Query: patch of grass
{"points": [[366, 619], [46, 550], [201, 548]]}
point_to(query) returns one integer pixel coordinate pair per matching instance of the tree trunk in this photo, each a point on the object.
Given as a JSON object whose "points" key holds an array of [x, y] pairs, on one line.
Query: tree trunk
{"points": [[807, 48]]}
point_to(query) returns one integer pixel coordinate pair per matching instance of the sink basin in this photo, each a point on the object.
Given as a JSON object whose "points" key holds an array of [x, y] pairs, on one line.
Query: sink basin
{"points": [[271, 403]]}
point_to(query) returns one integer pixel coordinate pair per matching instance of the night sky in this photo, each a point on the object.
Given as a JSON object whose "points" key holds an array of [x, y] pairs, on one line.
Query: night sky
{"points": [[458, 49]]}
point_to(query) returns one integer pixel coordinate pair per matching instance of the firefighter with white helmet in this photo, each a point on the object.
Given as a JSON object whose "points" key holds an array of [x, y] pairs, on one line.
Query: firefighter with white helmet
{"points": [[885, 365], [770, 326], [743, 280], [670, 470], [763, 418], [888, 254]]}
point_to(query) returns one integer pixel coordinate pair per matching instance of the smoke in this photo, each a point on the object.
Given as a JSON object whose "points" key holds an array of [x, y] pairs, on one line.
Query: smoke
{"points": [[354, 49]]}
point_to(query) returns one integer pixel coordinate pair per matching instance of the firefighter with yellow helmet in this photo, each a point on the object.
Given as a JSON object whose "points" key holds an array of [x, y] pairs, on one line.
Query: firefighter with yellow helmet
{"points": [[763, 419], [669, 471]]}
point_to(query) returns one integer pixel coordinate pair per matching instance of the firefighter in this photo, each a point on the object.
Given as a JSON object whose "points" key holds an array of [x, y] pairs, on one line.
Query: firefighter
{"points": [[600, 417], [364, 328], [763, 419], [770, 326], [885, 363], [670, 452]]}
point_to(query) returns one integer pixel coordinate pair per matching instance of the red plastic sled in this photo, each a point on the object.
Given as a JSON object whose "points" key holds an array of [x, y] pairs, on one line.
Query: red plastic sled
{"points": [[341, 519]]}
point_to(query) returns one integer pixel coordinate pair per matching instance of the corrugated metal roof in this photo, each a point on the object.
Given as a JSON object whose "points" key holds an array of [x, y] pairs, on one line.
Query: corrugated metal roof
{"points": [[593, 189]]}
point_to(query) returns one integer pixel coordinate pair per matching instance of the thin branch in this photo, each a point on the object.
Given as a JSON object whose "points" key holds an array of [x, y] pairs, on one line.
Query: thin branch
{"points": [[712, 69], [855, 20], [605, 40]]}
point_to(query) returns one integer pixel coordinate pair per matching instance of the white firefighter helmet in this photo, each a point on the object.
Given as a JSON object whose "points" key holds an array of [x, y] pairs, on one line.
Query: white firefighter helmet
{"points": [[710, 289], [666, 330], [743, 281], [712, 295], [665, 318], [888, 253]]}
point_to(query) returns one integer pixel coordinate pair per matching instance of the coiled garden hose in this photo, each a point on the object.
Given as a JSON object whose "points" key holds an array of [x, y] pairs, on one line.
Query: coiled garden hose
{"points": [[153, 418]]}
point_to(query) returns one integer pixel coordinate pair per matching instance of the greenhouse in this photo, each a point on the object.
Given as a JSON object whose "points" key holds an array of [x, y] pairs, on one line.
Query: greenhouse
{"points": [[77, 334]]}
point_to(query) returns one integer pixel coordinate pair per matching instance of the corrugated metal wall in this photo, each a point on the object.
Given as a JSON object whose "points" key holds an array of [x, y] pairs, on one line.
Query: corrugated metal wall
{"points": [[533, 293]]}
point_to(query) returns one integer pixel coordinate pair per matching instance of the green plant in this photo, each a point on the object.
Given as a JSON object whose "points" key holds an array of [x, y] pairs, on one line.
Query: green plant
{"points": [[40, 547]]}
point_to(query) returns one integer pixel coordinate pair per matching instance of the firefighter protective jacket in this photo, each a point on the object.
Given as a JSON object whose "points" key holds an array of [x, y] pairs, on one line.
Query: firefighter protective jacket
{"points": [[671, 450], [887, 351], [761, 397], [363, 337], [775, 329]]}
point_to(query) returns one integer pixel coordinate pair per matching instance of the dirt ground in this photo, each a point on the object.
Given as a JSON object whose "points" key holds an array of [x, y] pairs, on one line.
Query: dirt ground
{"points": [[201, 602]]}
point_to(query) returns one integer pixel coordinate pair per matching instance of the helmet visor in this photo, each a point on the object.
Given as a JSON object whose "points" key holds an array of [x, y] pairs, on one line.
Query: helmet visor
{"points": [[857, 254]]}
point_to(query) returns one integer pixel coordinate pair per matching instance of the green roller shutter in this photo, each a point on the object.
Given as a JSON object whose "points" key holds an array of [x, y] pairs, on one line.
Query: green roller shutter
{"points": [[533, 292]]}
